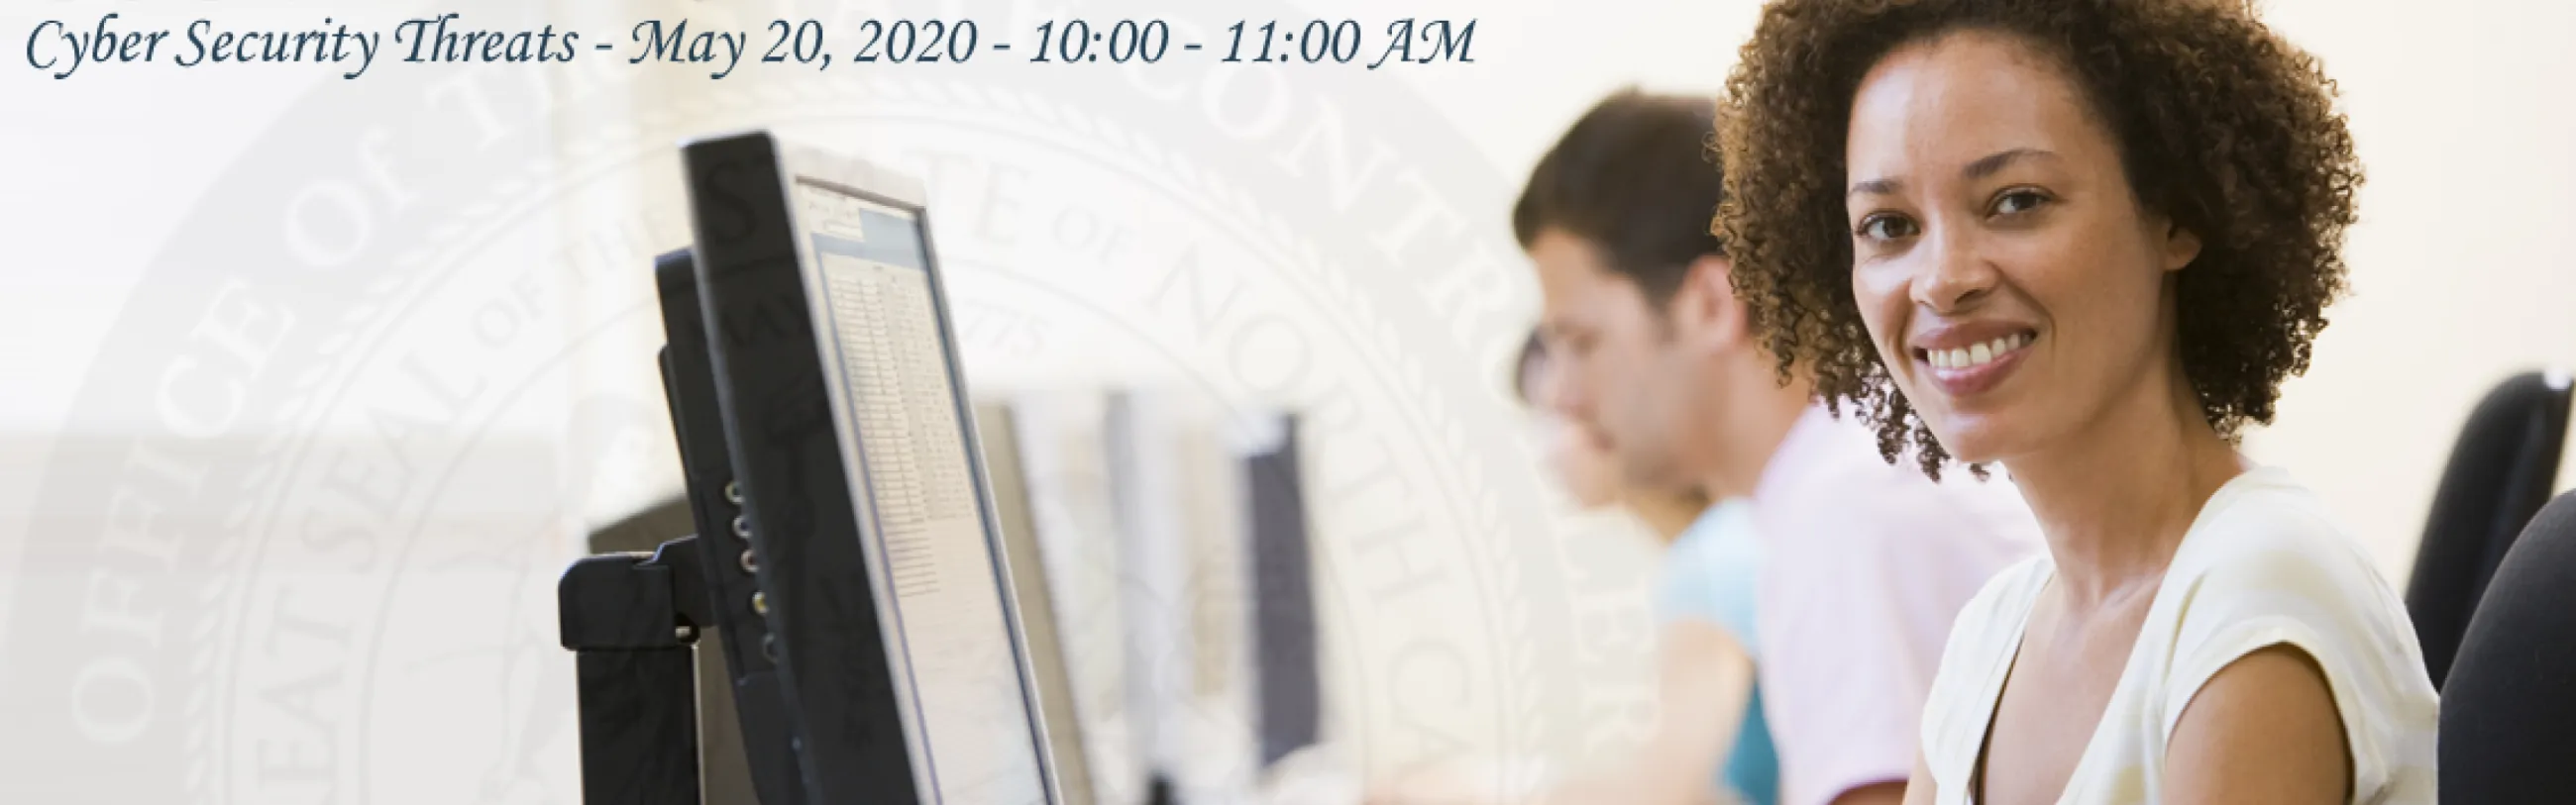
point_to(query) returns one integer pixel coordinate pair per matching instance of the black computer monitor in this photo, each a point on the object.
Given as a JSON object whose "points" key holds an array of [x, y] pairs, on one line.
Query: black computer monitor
{"points": [[869, 522]]}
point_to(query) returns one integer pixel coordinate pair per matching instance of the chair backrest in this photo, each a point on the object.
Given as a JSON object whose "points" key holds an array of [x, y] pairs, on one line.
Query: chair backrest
{"points": [[2509, 716], [2501, 471]]}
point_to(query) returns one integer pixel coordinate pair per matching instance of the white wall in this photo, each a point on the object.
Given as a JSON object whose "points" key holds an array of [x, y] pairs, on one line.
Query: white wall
{"points": [[2459, 277]]}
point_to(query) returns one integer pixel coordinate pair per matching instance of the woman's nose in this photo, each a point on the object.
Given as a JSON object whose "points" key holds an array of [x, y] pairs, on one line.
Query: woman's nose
{"points": [[1956, 272]]}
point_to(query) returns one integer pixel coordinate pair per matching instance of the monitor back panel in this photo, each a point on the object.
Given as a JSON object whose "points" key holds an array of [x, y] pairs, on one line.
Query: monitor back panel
{"points": [[784, 449], [716, 507]]}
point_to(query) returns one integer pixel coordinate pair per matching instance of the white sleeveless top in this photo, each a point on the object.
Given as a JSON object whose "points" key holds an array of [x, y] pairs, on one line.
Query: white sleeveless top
{"points": [[2260, 566]]}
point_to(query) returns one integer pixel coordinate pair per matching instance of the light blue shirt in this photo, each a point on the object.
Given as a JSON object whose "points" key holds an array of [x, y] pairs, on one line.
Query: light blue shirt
{"points": [[1708, 576]]}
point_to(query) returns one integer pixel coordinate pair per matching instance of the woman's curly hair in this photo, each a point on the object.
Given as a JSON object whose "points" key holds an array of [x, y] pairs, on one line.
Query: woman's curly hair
{"points": [[2222, 127]]}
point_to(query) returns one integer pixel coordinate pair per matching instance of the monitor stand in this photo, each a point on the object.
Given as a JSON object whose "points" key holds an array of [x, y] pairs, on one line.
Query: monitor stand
{"points": [[632, 620]]}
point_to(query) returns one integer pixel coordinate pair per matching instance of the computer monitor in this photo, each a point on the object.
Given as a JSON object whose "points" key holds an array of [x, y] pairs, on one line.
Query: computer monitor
{"points": [[1289, 694], [868, 520], [997, 426], [1214, 566]]}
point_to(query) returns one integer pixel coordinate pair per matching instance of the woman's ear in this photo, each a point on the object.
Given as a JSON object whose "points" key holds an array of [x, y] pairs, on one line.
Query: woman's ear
{"points": [[2181, 246]]}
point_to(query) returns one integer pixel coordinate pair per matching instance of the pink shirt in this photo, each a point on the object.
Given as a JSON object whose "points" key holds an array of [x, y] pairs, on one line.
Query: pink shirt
{"points": [[1864, 567]]}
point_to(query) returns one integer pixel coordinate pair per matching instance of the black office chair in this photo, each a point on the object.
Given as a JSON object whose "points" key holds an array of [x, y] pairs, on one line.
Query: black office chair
{"points": [[2509, 717], [2500, 473]]}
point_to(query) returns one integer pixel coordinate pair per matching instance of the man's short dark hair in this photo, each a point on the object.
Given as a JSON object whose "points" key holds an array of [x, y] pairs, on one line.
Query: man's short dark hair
{"points": [[1636, 179]]}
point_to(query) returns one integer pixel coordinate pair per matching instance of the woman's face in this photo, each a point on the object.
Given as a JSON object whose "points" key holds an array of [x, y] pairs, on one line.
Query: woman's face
{"points": [[2015, 288]]}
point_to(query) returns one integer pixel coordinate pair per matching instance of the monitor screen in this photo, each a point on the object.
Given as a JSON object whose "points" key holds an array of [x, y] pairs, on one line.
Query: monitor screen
{"points": [[887, 360]]}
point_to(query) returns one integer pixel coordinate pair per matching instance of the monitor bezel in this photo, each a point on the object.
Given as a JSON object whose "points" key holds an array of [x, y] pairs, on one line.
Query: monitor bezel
{"points": [[800, 163]]}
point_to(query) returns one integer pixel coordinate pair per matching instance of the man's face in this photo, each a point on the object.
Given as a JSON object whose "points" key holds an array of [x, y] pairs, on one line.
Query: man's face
{"points": [[1622, 373]]}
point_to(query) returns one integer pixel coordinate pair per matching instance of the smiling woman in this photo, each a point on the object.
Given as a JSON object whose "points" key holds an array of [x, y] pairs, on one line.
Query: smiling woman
{"points": [[2216, 125], [2088, 240]]}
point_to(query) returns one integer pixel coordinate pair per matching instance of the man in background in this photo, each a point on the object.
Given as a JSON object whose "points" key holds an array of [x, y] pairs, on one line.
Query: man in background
{"points": [[1711, 709], [1858, 567]]}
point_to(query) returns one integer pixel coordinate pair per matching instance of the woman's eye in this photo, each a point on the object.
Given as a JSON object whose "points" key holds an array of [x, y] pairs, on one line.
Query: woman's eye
{"points": [[2018, 201], [1886, 227]]}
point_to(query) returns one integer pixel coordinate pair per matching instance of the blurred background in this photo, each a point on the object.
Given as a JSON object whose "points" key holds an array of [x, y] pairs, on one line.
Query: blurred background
{"points": [[310, 387]]}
